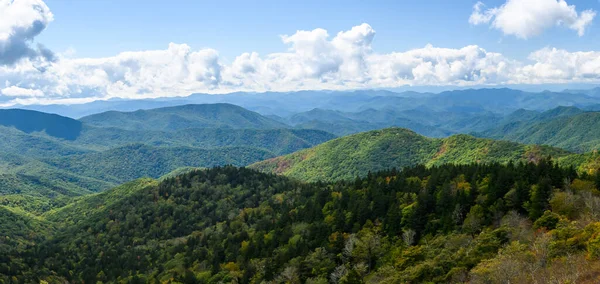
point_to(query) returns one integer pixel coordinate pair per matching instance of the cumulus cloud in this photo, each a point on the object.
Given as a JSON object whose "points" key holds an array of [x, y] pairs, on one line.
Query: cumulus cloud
{"points": [[14, 91], [528, 18], [21, 22], [440, 66], [563, 66], [314, 59]]}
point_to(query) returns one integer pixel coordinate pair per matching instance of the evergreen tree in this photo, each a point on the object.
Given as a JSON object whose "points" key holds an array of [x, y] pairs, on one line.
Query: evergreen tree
{"points": [[540, 196], [598, 179]]}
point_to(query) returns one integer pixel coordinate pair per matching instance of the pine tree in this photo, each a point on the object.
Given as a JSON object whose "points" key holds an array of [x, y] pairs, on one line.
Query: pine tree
{"points": [[540, 195], [598, 179], [522, 194]]}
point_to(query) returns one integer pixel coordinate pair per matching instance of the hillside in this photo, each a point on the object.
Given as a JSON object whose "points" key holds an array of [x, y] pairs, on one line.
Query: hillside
{"points": [[470, 223], [35, 145], [277, 141], [577, 131], [19, 231], [134, 161], [356, 155], [22, 175], [33, 121], [183, 117], [90, 205]]}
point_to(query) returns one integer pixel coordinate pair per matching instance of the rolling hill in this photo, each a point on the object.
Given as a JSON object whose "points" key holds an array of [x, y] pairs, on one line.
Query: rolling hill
{"points": [[35, 145], [567, 128], [356, 155], [183, 117], [28, 176], [277, 141], [134, 161]]}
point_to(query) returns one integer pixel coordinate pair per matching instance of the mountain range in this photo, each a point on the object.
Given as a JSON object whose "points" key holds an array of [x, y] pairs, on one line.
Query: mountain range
{"points": [[284, 104], [342, 187], [59, 156], [53, 156]]}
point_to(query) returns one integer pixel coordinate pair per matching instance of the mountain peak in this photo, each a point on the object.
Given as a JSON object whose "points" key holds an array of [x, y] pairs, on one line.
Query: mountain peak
{"points": [[30, 121], [355, 155]]}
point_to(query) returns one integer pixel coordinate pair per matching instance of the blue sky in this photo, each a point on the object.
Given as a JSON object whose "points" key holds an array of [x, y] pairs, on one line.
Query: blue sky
{"points": [[98, 28], [55, 51]]}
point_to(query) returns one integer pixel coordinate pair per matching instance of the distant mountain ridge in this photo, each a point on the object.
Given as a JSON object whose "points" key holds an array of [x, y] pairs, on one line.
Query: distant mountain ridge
{"points": [[183, 117], [500, 100], [338, 112]]}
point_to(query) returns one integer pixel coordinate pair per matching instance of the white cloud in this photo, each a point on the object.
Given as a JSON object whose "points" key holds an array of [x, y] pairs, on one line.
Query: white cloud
{"points": [[440, 66], [14, 91], [21, 22], [562, 66], [313, 60], [478, 17], [528, 18], [135, 74]]}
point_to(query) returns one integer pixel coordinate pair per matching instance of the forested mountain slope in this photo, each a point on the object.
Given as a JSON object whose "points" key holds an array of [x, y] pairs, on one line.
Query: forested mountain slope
{"points": [[23, 175], [469, 223], [126, 163], [35, 145], [356, 155], [277, 141], [579, 132]]}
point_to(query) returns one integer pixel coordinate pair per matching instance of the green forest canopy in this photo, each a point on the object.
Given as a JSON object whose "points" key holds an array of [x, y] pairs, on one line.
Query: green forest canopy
{"points": [[450, 223]]}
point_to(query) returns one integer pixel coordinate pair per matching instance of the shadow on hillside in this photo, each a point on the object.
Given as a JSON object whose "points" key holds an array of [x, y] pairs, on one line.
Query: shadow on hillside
{"points": [[33, 121]]}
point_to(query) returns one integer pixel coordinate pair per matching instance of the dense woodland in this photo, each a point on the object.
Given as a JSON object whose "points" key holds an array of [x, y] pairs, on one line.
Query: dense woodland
{"points": [[484, 223]]}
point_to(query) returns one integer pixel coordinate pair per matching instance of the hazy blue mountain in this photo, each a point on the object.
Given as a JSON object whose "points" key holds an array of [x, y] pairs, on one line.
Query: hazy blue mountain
{"points": [[423, 120], [519, 115], [344, 123], [285, 104], [319, 115], [593, 92], [33, 121], [183, 117], [80, 110]]}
